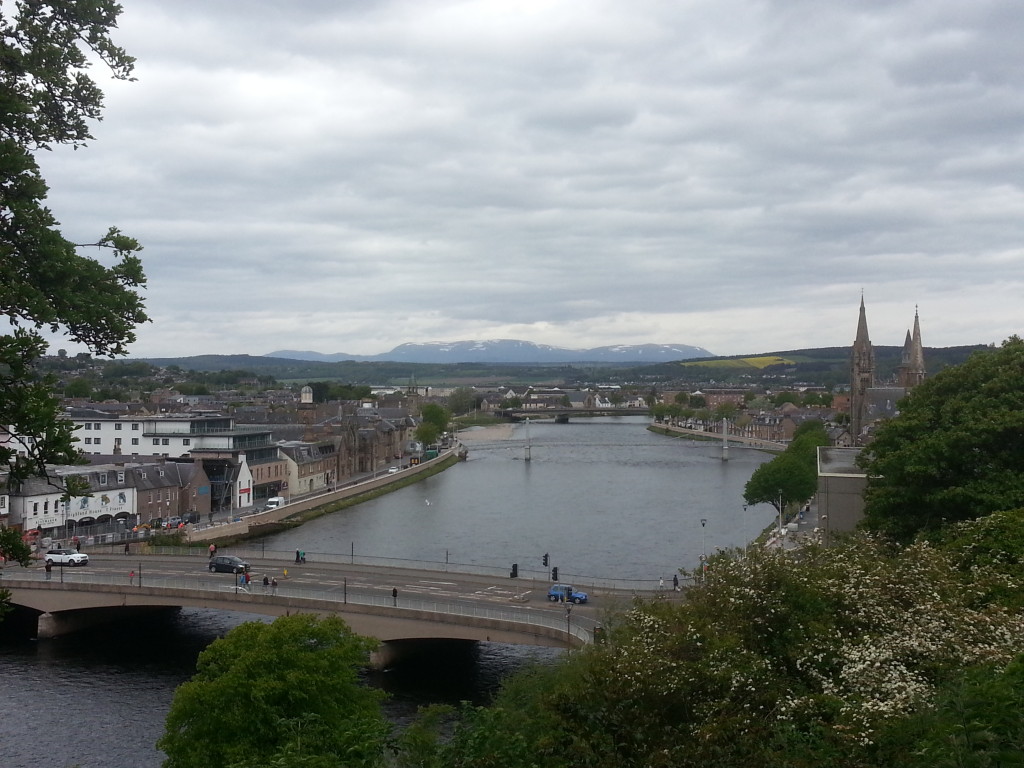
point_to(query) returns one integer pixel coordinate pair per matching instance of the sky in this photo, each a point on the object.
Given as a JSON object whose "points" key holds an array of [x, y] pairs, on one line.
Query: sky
{"points": [[344, 176]]}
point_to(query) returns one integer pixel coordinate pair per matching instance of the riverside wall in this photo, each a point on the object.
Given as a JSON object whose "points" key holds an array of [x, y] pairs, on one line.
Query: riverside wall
{"points": [[243, 526]]}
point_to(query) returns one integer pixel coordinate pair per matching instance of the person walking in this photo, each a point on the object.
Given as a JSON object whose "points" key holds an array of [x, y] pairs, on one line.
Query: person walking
{"points": [[273, 586], [213, 550], [297, 561], [48, 568], [131, 579], [126, 547], [266, 582], [675, 581], [394, 596]]}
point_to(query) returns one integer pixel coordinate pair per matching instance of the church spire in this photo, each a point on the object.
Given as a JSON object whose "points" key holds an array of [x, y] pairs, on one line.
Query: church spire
{"points": [[862, 374]]}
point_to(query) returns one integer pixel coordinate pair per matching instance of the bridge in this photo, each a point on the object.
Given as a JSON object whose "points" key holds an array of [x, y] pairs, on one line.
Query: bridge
{"points": [[83, 599], [561, 414], [707, 434]]}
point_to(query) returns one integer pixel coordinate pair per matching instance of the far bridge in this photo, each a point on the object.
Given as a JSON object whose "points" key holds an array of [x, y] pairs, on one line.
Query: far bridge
{"points": [[562, 414]]}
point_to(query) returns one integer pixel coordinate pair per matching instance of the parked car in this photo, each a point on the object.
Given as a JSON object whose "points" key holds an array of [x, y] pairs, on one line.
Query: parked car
{"points": [[566, 594], [228, 564], [66, 557]]}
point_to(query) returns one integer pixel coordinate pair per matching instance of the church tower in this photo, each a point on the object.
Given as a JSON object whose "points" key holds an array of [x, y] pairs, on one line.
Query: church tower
{"points": [[911, 370], [862, 375]]}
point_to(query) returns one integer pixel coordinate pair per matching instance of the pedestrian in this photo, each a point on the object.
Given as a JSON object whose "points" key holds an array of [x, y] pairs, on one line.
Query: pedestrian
{"points": [[126, 547], [394, 596], [297, 561], [48, 567], [273, 585], [675, 581], [302, 556], [213, 550], [131, 579], [78, 545], [266, 582], [661, 584]]}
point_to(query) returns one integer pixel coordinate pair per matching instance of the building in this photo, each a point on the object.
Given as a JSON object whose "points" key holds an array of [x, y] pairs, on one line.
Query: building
{"points": [[871, 399]]}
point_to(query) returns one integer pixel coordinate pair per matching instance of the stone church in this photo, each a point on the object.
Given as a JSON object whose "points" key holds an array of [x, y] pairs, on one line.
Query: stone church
{"points": [[870, 399]]}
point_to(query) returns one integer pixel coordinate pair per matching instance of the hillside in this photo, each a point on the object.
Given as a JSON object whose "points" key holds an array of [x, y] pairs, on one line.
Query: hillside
{"points": [[828, 366]]}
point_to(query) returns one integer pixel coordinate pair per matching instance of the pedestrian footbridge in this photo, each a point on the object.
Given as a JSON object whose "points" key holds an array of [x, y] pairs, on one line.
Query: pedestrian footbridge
{"points": [[397, 622]]}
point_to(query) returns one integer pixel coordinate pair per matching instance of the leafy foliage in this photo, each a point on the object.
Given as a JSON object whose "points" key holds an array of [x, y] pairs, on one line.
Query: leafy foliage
{"points": [[12, 548], [848, 656], [285, 693], [956, 450], [47, 98], [792, 476]]}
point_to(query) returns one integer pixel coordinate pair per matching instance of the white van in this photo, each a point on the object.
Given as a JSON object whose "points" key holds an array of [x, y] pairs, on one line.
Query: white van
{"points": [[274, 502]]}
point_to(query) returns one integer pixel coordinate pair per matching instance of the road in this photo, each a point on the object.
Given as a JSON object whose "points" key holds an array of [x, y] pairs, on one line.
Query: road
{"points": [[342, 579]]}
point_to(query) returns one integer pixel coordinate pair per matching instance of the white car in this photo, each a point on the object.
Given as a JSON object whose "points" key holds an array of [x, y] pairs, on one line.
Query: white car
{"points": [[66, 557], [392, 470]]}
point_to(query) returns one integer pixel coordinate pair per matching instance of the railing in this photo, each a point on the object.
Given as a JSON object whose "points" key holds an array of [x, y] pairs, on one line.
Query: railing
{"points": [[254, 551], [580, 627]]}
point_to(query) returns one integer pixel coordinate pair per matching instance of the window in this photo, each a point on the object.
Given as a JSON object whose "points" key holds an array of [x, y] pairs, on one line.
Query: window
{"points": [[35, 506], [135, 441], [143, 476], [166, 441], [186, 441], [156, 441], [150, 495], [46, 506], [88, 441], [120, 477], [95, 441], [88, 425], [97, 425], [103, 478], [117, 441], [135, 427]]}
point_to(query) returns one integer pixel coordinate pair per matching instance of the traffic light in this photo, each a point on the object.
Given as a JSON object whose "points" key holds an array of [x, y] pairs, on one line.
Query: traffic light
{"points": [[554, 573], [515, 571], [545, 559]]}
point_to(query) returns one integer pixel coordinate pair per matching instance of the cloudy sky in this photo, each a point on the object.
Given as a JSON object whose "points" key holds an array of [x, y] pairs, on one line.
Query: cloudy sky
{"points": [[346, 176]]}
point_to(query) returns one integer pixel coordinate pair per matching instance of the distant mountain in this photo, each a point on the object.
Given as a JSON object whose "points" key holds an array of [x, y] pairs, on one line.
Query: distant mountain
{"points": [[510, 351]]}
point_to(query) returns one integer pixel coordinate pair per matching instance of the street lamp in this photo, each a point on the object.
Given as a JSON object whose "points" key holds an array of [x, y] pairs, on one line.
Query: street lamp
{"points": [[703, 552], [781, 534]]}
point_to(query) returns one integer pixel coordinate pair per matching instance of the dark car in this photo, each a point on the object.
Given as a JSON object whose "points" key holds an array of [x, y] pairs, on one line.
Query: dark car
{"points": [[228, 564]]}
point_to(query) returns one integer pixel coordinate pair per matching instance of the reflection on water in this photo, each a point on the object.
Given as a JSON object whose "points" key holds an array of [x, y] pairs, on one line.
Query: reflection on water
{"points": [[98, 699]]}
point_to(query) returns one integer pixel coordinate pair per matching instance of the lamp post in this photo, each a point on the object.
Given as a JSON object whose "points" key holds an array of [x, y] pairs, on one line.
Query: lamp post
{"points": [[703, 552], [781, 540]]}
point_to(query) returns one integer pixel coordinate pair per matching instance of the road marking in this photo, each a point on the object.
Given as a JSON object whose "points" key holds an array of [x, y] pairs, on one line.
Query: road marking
{"points": [[446, 583]]}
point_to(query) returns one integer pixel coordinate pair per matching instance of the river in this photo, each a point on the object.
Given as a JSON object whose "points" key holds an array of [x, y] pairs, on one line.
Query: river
{"points": [[604, 497]]}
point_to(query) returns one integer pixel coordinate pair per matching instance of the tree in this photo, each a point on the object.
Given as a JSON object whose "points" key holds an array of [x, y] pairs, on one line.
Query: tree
{"points": [[14, 549], [432, 413], [46, 98], [792, 476], [462, 400], [956, 449], [286, 693], [427, 433], [777, 661], [784, 480]]}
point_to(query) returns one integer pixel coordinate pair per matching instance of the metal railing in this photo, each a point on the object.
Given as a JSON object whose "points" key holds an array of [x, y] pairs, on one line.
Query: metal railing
{"points": [[580, 627], [257, 551]]}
